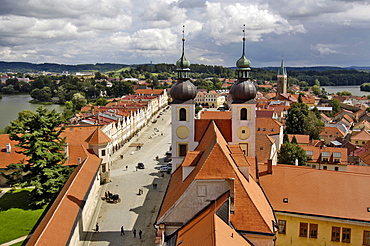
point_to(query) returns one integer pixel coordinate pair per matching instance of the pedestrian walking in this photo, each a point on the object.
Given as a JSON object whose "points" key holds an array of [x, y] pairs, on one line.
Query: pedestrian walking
{"points": [[122, 231], [140, 234], [97, 227], [126, 168], [134, 231]]}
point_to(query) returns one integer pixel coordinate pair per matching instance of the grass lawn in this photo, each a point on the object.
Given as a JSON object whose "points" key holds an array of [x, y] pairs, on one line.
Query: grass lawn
{"points": [[17, 219]]}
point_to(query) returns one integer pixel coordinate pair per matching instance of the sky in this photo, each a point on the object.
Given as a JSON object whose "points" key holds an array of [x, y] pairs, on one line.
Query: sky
{"points": [[302, 32]]}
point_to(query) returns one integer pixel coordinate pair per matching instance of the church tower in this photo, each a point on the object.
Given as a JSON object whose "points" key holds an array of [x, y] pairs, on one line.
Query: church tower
{"points": [[282, 80], [183, 93], [243, 107]]}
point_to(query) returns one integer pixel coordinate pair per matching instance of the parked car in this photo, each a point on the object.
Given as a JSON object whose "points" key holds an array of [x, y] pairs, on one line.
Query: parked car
{"points": [[140, 165], [163, 168]]}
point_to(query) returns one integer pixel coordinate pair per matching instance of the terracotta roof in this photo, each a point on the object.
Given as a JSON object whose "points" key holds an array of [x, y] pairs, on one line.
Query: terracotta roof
{"points": [[56, 228], [318, 192], [301, 139], [213, 115], [216, 162], [263, 147], [267, 126], [149, 91], [326, 118], [332, 132], [224, 126], [209, 229], [363, 124], [319, 152], [348, 118], [358, 169], [12, 157], [98, 137], [363, 135]]}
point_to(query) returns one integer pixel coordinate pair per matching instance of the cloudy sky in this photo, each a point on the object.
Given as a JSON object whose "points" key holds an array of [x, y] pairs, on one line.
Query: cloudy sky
{"points": [[304, 32]]}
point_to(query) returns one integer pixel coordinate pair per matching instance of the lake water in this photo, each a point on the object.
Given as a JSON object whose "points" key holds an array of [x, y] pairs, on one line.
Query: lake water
{"points": [[354, 89], [11, 105]]}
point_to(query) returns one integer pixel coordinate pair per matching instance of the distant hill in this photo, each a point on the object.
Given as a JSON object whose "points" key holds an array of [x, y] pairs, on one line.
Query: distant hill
{"points": [[318, 69], [24, 67]]}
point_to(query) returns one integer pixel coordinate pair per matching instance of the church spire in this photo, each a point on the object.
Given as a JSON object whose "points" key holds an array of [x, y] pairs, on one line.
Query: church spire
{"points": [[183, 65], [243, 63], [282, 70]]}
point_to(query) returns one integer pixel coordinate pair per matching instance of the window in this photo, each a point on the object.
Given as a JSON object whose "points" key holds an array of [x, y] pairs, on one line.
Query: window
{"points": [[346, 235], [103, 168], [182, 114], [243, 131], [313, 230], [335, 234], [282, 226], [313, 166], [336, 168], [324, 159], [259, 129], [243, 114], [303, 229], [324, 167], [103, 152], [183, 148], [202, 190], [272, 129], [366, 238], [264, 129]]}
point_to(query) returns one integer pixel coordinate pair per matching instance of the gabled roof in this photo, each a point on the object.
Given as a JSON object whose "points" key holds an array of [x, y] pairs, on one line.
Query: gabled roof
{"points": [[301, 139], [363, 135], [267, 126], [216, 161], [12, 157], [316, 153], [263, 147], [224, 125], [209, 229], [98, 137], [59, 222], [318, 192], [363, 124]]}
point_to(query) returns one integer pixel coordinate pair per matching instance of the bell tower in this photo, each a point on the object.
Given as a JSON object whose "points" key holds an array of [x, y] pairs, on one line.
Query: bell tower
{"points": [[183, 93], [243, 107], [282, 80]]}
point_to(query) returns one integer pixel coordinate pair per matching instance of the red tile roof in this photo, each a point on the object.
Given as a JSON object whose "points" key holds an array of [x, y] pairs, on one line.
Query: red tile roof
{"points": [[318, 192]]}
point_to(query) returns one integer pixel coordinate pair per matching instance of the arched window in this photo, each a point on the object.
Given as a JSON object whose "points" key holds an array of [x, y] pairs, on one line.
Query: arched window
{"points": [[182, 114], [243, 114]]}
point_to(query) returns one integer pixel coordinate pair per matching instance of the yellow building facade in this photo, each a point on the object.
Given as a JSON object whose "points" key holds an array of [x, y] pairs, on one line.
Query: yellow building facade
{"points": [[307, 230]]}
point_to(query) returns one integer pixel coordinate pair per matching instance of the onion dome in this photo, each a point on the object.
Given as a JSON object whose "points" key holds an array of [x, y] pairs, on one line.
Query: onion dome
{"points": [[183, 90], [243, 89]]}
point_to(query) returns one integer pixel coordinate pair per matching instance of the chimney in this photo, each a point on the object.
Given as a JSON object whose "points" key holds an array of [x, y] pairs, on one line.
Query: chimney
{"points": [[232, 195], [257, 171], [8, 148], [269, 166], [66, 150], [79, 160]]}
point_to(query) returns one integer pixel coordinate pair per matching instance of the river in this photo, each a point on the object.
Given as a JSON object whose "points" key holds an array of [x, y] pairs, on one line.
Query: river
{"points": [[11, 105], [354, 89]]}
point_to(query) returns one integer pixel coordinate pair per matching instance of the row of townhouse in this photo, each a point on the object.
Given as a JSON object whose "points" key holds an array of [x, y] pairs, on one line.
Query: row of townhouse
{"points": [[211, 98]]}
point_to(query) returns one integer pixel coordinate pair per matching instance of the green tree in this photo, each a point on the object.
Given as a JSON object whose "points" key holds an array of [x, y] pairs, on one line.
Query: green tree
{"points": [[101, 101], [335, 104], [78, 101], [300, 120], [290, 152], [38, 134]]}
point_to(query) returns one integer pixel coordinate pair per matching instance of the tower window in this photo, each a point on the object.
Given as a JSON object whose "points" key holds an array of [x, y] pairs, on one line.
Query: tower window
{"points": [[243, 114], [182, 114], [183, 148]]}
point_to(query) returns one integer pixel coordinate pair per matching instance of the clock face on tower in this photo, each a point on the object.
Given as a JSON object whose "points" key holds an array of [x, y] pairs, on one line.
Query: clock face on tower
{"points": [[182, 132], [243, 132]]}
